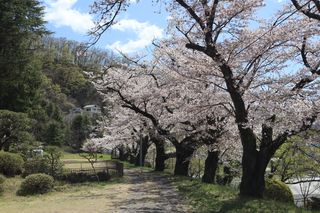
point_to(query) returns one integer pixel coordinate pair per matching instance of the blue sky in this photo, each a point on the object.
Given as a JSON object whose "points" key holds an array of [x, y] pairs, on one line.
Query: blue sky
{"points": [[137, 27]]}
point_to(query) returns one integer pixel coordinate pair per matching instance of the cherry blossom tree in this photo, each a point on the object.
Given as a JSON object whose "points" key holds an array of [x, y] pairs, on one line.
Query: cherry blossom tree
{"points": [[160, 96], [270, 74], [253, 64], [310, 8]]}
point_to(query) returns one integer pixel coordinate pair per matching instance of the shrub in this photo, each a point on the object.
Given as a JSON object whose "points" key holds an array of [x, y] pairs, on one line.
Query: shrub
{"points": [[52, 157], [49, 164], [35, 165], [36, 184], [277, 190], [227, 176], [10, 164], [80, 177], [2, 180]]}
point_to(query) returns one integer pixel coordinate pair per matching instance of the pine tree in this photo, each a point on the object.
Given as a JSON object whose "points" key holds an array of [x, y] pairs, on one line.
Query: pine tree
{"points": [[21, 26]]}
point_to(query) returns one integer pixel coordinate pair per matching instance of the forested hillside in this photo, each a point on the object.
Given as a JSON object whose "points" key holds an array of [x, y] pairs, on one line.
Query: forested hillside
{"points": [[42, 78]]}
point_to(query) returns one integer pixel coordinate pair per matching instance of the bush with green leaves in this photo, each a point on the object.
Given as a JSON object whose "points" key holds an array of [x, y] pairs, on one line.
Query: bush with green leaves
{"points": [[35, 165], [14, 128], [49, 164], [52, 156], [226, 177], [10, 164], [80, 177], [278, 190], [36, 184]]}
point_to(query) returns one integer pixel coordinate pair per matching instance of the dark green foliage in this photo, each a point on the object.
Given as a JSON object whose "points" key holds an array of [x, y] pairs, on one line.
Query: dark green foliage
{"points": [[48, 164], [69, 77], [80, 177], [55, 134], [36, 184], [10, 164], [65, 67], [35, 165], [52, 156], [21, 25], [2, 180], [277, 190], [79, 131], [13, 128], [226, 177], [72, 82], [314, 203], [49, 126], [26, 148], [56, 101]]}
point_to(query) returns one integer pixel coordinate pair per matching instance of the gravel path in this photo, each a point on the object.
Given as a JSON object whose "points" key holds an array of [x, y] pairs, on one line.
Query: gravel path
{"points": [[147, 192]]}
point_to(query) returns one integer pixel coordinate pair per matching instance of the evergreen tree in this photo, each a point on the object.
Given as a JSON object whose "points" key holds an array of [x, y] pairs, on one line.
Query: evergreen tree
{"points": [[80, 130], [21, 26], [14, 129], [55, 133]]}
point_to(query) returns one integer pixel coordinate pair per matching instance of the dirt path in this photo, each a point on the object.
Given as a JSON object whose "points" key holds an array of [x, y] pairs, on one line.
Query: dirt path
{"points": [[141, 192], [148, 192]]}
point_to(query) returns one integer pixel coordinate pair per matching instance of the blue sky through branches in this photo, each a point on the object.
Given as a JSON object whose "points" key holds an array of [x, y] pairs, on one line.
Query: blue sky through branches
{"points": [[136, 28]]}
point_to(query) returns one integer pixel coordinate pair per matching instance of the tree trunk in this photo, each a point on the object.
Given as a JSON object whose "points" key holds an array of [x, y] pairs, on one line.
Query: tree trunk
{"points": [[210, 168], [183, 157], [254, 162], [132, 159], [145, 146], [254, 165], [123, 153], [160, 156]]}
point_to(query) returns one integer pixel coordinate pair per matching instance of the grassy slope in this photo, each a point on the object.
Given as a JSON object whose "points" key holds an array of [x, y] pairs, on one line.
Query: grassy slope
{"points": [[214, 198]]}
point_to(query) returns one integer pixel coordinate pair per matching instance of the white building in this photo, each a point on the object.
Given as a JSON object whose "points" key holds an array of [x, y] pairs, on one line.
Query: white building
{"points": [[91, 109]]}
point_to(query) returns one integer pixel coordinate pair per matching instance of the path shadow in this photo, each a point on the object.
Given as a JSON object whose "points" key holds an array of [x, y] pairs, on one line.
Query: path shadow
{"points": [[151, 192]]}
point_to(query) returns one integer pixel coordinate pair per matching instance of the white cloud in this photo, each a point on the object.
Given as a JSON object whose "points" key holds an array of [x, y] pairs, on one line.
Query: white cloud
{"points": [[145, 32], [61, 13]]}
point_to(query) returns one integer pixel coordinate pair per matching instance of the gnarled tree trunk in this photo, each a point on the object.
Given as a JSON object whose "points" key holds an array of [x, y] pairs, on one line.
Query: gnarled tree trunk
{"points": [[210, 167], [252, 181], [254, 162], [183, 157]]}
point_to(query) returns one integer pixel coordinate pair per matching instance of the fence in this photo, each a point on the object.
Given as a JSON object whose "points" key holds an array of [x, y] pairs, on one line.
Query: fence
{"points": [[113, 168]]}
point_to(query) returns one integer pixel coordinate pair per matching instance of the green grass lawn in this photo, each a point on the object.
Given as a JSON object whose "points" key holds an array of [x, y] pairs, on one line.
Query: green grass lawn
{"points": [[66, 155], [84, 197], [215, 198], [76, 156]]}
